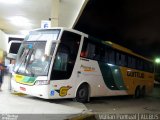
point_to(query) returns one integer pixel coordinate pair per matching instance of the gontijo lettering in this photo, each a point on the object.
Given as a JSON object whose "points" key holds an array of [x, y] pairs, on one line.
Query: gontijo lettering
{"points": [[135, 74]]}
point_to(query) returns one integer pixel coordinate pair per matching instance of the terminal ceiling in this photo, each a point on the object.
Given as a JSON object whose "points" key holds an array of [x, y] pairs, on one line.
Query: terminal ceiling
{"points": [[131, 23]]}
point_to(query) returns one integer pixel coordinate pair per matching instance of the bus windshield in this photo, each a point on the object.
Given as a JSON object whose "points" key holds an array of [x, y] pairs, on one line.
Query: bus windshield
{"points": [[31, 58]]}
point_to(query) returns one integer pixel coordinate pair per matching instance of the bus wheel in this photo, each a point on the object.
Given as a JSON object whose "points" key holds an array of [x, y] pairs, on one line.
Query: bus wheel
{"points": [[137, 92], [143, 91], [82, 94]]}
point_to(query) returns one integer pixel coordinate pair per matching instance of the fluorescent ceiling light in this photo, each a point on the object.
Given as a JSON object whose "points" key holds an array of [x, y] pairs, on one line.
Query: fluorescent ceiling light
{"points": [[20, 21], [10, 1]]}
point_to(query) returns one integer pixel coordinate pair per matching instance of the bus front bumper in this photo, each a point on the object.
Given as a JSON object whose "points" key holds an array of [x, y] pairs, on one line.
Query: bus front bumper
{"points": [[34, 90]]}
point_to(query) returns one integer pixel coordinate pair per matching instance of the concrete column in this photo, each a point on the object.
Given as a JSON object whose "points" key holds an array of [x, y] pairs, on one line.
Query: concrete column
{"points": [[55, 13], [3, 41]]}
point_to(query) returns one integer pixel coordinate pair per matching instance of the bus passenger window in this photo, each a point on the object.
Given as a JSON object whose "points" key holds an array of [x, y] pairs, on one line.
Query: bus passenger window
{"points": [[102, 54], [97, 52], [131, 62], [91, 50], [111, 56]]}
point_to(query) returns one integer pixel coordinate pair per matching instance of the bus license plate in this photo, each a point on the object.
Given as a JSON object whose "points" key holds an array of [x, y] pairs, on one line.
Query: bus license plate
{"points": [[22, 88]]}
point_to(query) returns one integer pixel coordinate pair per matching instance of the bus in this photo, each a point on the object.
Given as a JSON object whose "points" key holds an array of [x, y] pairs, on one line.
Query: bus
{"points": [[65, 63]]}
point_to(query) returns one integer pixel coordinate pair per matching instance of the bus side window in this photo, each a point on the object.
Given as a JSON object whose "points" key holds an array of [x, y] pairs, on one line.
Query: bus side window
{"points": [[131, 62], [88, 49], [111, 56], [120, 59], [106, 56], [102, 53], [91, 50], [139, 64], [151, 67], [84, 52], [97, 50]]}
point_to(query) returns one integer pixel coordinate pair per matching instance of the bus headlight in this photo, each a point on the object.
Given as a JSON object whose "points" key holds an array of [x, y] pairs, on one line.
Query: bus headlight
{"points": [[42, 82]]}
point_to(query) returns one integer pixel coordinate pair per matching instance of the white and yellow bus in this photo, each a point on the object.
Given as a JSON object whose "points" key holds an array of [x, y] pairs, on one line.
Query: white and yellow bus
{"points": [[64, 63]]}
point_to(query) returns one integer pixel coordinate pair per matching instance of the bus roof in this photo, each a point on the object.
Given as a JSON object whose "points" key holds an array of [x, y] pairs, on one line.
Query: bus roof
{"points": [[118, 47], [113, 45], [124, 49], [62, 28]]}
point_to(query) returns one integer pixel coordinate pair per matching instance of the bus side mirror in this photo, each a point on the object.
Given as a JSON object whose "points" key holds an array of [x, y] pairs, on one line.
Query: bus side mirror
{"points": [[48, 47], [45, 57]]}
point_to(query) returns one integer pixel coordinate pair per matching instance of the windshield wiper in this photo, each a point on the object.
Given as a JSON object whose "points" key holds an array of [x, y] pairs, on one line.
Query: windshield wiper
{"points": [[22, 59], [25, 60]]}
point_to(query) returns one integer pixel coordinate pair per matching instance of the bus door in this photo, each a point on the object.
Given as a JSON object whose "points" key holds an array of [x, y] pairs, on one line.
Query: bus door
{"points": [[65, 59]]}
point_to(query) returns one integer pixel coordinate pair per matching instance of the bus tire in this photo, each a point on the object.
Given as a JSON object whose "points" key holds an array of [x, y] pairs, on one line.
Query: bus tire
{"points": [[143, 91], [137, 92], [82, 94]]}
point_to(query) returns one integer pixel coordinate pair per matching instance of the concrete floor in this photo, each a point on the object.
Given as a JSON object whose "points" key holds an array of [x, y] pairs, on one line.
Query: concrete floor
{"points": [[107, 108], [125, 105], [28, 106], [14, 104]]}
